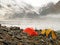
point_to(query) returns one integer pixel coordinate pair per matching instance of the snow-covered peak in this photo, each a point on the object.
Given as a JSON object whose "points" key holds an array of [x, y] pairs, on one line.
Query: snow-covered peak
{"points": [[9, 8]]}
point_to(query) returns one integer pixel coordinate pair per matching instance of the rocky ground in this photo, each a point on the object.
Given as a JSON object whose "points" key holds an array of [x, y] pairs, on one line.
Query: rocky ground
{"points": [[15, 36]]}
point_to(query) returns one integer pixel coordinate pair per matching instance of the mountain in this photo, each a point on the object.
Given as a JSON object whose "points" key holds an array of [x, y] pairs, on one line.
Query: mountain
{"points": [[13, 10], [51, 8]]}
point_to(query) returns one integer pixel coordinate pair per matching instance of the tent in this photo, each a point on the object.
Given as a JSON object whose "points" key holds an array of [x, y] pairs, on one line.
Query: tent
{"points": [[30, 31], [49, 32]]}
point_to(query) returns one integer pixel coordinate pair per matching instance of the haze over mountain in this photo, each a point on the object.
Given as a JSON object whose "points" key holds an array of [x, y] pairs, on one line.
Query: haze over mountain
{"points": [[51, 8], [12, 10], [25, 14]]}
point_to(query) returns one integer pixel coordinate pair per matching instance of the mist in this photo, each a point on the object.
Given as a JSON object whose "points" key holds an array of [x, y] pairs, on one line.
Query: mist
{"points": [[26, 15]]}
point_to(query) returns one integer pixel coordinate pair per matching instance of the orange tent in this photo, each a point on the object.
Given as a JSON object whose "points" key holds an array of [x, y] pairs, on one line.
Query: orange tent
{"points": [[30, 31]]}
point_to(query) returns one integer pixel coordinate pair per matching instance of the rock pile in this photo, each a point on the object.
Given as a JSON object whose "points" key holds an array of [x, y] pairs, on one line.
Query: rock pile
{"points": [[15, 36]]}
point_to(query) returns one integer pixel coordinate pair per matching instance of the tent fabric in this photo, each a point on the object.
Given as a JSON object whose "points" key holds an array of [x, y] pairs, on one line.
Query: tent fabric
{"points": [[43, 31], [48, 31], [30, 31], [54, 36]]}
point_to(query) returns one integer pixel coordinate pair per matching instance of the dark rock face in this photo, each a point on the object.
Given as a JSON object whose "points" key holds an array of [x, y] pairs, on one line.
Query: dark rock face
{"points": [[15, 36]]}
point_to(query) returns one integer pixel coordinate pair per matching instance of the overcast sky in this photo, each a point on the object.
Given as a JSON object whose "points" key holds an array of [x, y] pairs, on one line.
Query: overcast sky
{"points": [[37, 2], [33, 2]]}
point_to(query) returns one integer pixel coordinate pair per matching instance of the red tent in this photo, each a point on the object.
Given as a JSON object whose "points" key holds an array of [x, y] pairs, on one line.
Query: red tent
{"points": [[30, 31]]}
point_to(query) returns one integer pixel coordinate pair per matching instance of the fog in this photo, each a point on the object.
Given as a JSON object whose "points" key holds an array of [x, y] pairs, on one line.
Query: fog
{"points": [[41, 23], [26, 15]]}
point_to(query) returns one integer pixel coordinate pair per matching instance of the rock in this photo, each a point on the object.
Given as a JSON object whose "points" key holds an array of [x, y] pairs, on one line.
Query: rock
{"points": [[0, 25], [1, 40], [7, 37], [14, 28], [19, 43], [15, 36], [1, 43], [18, 37]]}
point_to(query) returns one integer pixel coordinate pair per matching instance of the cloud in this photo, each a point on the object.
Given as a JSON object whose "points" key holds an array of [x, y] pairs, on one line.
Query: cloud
{"points": [[51, 8], [26, 11]]}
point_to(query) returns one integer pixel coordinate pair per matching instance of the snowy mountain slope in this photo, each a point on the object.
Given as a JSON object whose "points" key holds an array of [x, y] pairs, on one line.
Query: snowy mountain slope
{"points": [[10, 9], [51, 8], [13, 10]]}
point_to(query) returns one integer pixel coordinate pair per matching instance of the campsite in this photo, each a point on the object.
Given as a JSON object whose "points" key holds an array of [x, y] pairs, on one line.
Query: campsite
{"points": [[29, 22], [16, 36]]}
